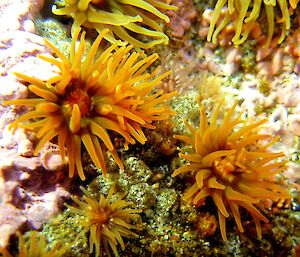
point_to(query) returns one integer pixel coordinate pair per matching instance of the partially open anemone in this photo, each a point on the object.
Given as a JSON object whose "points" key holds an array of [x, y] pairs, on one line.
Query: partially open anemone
{"points": [[106, 220], [231, 164], [35, 246], [122, 17], [244, 14], [90, 97]]}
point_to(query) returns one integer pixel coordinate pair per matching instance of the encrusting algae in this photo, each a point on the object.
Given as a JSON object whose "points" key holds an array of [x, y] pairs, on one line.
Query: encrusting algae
{"points": [[244, 14], [231, 163], [123, 18], [106, 220], [90, 97]]}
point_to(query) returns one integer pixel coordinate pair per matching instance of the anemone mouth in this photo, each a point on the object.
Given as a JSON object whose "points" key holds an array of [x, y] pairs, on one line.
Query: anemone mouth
{"points": [[75, 94], [229, 168], [224, 167], [103, 216]]}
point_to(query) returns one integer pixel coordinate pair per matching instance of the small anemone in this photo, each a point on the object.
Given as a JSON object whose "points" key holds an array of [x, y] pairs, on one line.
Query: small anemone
{"points": [[35, 246], [91, 96], [121, 17], [230, 163], [245, 19], [106, 220]]}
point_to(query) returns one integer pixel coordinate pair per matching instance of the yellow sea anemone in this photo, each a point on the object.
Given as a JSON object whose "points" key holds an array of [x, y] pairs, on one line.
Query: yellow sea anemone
{"points": [[91, 96], [123, 18], [244, 19], [230, 163], [35, 246], [106, 220]]}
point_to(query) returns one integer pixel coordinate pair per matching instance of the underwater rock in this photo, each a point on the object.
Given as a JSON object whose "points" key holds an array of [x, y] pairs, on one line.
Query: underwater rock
{"points": [[27, 190], [14, 15], [10, 222], [29, 195], [294, 124]]}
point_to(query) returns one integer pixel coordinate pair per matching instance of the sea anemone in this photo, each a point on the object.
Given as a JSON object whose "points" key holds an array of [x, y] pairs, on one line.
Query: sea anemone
{"points": [[91, 96], [230, 162], [120, 17], [35, 246], [245, 20], [106, 220]]}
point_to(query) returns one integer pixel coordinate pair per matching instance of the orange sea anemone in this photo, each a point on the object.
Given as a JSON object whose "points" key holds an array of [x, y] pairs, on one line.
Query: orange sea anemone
{"points": [[106, 220], [91, 96], [244, 20], [35, 246], [230, 163], [122, 18]]}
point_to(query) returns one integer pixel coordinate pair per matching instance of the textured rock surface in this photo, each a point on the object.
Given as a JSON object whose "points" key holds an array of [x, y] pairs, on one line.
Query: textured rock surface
{"points": [[32, 188]]}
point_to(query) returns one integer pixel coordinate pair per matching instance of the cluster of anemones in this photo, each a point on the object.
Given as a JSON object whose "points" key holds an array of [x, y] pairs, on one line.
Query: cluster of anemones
{"points": [[91, 96], [244, 19], [122, 18], [106, 220], [231, 164]]}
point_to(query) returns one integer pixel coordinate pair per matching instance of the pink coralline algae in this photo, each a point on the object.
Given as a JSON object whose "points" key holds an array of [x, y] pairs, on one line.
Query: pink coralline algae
{"points": [[18, 15], [294, 118], [181, 20], [29, 193]]}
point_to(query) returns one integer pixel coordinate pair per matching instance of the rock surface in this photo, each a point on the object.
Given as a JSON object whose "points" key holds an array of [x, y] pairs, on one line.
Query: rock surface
{"points": [[32, 188]]}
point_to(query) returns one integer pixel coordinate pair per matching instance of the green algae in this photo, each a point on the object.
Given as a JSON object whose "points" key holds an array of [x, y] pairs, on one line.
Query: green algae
{"points": [[55, 32], [63, 229], [264, 87], [202, 5], [58, 35], [248, 61], [187, 108]]}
